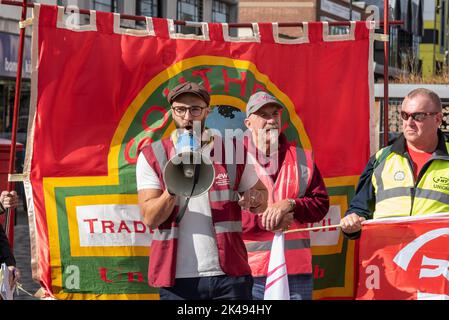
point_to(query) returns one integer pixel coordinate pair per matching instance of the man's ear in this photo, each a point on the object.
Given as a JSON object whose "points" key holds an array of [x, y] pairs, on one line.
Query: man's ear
{"points": [[439, 118], [247, 122]]}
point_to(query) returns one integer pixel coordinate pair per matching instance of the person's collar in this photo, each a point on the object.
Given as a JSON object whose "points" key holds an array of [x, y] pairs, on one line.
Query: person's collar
{"points": [[399, 146], [441, 149]]}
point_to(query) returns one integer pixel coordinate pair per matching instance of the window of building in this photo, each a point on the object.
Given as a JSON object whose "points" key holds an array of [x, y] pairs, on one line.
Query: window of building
{"points": [[220, 11], [189, 10], [66, 3], [338, 30], [147, 8], [430, 36], [7, 90], [104, 5], [394, 47], [407, 58]]}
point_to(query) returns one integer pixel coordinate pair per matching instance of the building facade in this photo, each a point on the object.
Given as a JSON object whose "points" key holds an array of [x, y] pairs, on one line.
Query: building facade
{"points": [[187, 10], [9, 43], [404, 39], [277, 11], [434, 47]]}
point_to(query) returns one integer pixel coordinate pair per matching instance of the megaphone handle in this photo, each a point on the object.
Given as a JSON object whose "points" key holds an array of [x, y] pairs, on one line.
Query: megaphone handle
{"points": [[182, 210]]}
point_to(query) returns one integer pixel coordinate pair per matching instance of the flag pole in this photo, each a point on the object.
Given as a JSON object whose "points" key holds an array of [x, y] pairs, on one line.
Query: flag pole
{"points": [[9, 223], [312, 228]]}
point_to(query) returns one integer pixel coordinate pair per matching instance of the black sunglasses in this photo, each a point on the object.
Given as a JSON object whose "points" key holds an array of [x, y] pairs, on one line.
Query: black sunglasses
{"points": [[417, 116]]}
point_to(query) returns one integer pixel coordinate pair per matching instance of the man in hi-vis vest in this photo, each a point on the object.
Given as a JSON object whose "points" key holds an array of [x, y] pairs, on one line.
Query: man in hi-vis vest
{"points": [[296, 195], [409, 177], [197, 251]]}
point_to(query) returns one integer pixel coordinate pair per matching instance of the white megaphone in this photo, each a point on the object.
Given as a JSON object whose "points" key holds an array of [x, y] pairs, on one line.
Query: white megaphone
{"points": [[189, 173]]}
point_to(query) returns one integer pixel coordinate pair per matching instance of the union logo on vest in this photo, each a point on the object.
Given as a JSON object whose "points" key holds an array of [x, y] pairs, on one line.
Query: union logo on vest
{"points": [[399, 176], [222, 179], [441, 183]]}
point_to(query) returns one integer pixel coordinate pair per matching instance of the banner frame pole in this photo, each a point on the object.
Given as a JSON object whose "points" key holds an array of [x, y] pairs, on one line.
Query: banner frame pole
{"points": [[9, 223], [180, 22], [386, 63]]}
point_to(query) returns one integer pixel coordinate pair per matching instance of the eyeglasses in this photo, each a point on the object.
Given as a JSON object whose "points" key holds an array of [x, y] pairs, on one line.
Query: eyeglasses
{"points": [[194, 111], [417, 116]]}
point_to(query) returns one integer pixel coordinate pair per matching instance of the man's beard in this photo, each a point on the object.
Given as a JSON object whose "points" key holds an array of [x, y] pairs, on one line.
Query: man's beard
{"points": [[271, 127], [194, 127]]}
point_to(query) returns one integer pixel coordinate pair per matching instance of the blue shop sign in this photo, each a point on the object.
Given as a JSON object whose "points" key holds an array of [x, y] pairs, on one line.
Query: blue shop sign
{"points": [[9, 48]]}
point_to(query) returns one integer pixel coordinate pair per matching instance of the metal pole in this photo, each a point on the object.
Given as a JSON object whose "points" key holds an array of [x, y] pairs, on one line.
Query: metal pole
{"points": [[386, 62], [12, 154], [350, 9], [182, 23], [434, 38]]}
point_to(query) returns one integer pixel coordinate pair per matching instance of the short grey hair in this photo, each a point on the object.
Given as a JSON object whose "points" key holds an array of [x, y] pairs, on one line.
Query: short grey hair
{"points": [[433, 97]]}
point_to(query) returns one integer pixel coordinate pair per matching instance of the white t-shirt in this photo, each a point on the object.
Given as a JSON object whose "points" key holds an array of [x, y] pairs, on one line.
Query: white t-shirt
{"points": [[197, 254]]}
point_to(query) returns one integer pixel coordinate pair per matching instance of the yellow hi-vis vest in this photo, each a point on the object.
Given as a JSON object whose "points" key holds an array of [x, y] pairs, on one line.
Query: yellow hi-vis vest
{"points": [[398, 194]]}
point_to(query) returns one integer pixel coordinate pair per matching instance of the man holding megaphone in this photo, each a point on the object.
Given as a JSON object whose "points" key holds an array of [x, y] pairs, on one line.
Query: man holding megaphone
{"points": [[192, 203]]}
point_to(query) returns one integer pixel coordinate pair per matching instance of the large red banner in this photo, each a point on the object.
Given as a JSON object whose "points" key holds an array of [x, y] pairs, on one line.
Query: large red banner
{"points": [[405, 258], [98, 96]]}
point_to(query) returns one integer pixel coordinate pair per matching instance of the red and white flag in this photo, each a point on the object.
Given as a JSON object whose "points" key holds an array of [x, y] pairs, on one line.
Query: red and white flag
{"points": [[276, 286], [405, 258]]}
